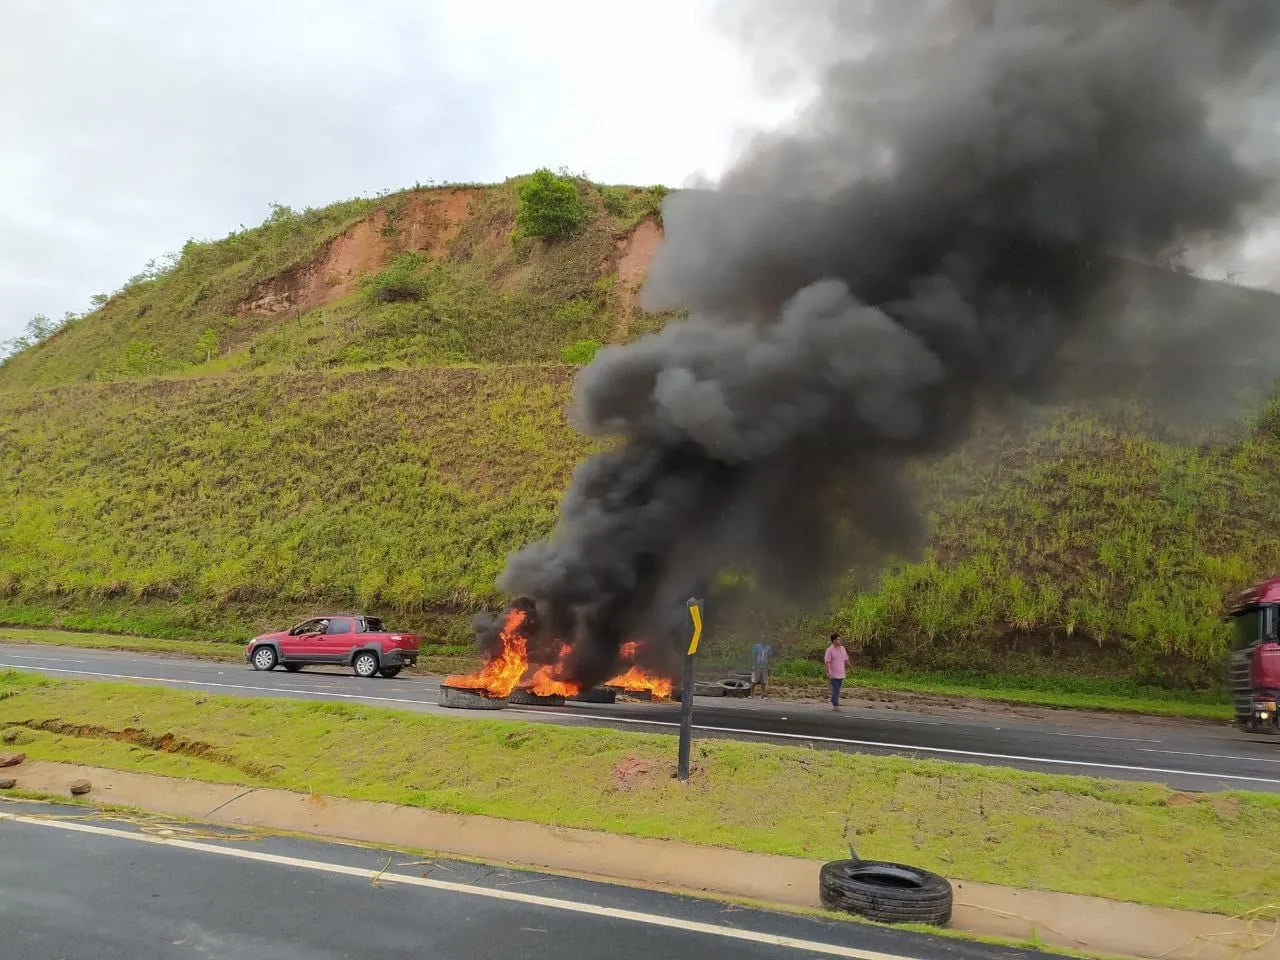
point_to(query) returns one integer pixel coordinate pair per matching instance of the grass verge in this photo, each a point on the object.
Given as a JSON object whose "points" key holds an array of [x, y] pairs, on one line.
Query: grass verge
{"points": [[1112, 696], [1135, 842], [203, 649]]}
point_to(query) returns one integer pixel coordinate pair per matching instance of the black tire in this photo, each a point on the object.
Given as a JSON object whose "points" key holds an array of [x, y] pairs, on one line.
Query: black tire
{"points": [[293, 667], [736, 688], [264, 657], [885, 892], [708, 690], [596, 695], [365, 663], [390, 672], [528, 698]]}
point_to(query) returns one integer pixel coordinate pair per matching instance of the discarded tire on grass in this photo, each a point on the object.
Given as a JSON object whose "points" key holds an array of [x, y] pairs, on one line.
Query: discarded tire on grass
{"points": [[708, 690], [528, 698], [461, 699], [885, 892]]}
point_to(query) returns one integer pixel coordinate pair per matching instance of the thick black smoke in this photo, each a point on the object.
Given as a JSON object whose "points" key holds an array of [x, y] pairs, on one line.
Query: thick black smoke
{"points": [[925, 240]]}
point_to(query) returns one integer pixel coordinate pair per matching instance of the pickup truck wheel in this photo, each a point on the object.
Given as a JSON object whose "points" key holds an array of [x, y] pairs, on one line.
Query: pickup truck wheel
{"points": [[365, 664], [390, 672], [293, 667], [264, 658]]}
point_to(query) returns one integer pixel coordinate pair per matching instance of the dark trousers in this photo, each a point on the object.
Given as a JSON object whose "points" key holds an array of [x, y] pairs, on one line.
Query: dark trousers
{"points": [[835, 690]]}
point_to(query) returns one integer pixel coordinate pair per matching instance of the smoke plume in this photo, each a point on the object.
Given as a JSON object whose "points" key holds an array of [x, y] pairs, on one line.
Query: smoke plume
{"points": [[930, 236]]}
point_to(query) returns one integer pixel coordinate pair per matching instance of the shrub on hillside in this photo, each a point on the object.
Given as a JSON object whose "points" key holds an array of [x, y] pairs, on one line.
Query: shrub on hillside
{"points": [[401, 279], [549, 206], [617, 200]]}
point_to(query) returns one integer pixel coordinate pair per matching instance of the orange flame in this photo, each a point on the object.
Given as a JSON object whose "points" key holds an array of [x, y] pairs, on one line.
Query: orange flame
{"points": [[546, 681], [500, 675], [636, 679]]}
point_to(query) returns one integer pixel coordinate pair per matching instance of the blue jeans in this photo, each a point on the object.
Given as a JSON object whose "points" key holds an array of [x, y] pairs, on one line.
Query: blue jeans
{"points": [[835, 690]]}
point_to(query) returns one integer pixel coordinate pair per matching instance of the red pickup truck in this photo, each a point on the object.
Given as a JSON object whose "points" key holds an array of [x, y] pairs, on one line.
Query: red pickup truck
{"points": [[354, 641]]}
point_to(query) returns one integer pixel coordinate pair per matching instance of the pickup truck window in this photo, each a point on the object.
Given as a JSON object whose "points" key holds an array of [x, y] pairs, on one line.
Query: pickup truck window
{"points": [[372, 625], [339, 625], [310, 626]]}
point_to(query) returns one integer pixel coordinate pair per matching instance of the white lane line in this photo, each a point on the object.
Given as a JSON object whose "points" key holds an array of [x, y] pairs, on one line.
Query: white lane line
{"points": [[1216, 756], [876, 744], [527, 899], [19, 656], [946, 751], [225, 686]]}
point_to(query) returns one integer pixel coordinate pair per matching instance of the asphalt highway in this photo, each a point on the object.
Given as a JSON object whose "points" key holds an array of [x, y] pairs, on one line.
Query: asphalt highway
{"points": [[76, 884], [1185, 756]]}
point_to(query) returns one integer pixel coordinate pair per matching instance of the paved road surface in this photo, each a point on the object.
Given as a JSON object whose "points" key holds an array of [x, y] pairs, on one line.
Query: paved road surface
{"points": [[75, 887], [1185, 756]]}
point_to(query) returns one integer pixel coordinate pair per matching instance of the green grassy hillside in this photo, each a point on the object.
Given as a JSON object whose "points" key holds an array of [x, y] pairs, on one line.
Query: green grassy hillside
{"points": [[424, 277], [208, 506], [363, 406]]}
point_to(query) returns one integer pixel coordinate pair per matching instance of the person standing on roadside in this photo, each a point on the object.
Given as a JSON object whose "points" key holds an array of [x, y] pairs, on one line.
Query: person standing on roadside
{"points": [[761, 654], [836, 660]]}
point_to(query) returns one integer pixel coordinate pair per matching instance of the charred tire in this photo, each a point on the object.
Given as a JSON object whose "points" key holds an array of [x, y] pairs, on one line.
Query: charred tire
{"points": [[365, 663], [528, 698], [733, 687], [293, 667], [708, 690], [390, 672], [596, 695], [885, 892], [460, 699], [264, 658]]}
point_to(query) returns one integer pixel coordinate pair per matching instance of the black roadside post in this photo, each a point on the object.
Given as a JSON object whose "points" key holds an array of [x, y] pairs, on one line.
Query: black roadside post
{"points": [[686, 690]]}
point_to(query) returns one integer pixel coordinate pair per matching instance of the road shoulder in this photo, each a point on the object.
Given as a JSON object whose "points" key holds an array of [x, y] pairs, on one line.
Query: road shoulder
{"points": [[1061, 920]]}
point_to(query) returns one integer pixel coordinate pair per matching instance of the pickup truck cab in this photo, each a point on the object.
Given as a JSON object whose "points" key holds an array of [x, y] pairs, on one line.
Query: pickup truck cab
{"points": [[355, 641]]}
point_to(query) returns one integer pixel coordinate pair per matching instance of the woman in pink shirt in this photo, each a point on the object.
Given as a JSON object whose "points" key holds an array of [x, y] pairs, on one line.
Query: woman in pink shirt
{"points": [[837, 659]]}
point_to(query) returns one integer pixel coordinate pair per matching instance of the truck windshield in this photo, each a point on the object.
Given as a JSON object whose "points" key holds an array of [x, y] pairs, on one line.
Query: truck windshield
{"points": [[1249, 626]]}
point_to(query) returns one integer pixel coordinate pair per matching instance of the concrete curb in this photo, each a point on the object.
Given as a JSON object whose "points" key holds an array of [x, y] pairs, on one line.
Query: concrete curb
{"points": [[1088, 924]]}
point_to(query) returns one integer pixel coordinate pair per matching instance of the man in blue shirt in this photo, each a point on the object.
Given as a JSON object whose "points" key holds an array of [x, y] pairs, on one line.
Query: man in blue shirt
{"points": [[761, 654]]}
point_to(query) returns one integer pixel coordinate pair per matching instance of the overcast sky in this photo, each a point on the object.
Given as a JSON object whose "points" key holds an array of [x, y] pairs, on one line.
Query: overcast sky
{"points": [[128, 126], [131, 125]]}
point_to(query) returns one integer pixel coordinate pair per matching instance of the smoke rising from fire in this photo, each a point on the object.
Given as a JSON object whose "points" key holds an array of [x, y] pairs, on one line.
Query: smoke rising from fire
{"points": [[928, 237]]}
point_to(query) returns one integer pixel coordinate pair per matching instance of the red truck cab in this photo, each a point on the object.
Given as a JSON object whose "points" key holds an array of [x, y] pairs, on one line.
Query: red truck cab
{"points": [[352, 640], [1255, 657]]}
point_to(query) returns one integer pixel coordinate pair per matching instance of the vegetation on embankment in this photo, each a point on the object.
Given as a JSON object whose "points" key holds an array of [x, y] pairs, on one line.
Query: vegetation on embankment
{"points": [[1133, 842], [209, 507], [428, 276]]}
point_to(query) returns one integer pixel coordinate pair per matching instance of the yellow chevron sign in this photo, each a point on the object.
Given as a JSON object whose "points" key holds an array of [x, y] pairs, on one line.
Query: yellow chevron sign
{"points": [[695, 614]]}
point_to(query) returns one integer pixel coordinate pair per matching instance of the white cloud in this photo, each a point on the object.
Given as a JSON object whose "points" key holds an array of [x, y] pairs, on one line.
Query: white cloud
{"points": [[133, 125]]}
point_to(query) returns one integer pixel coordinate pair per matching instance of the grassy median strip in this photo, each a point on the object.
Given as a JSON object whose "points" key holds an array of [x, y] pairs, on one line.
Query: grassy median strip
{"points": [[1125, 841]]}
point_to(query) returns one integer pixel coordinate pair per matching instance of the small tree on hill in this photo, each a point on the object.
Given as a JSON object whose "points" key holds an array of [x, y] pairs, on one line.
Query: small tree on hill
{"points": [[549, 206]]}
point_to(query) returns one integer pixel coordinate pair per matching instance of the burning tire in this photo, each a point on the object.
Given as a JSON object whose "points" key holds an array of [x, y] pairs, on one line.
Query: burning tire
{"points": [[631, 694], [527, 698], [885, 892], [596, 695], [461, 699]]}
